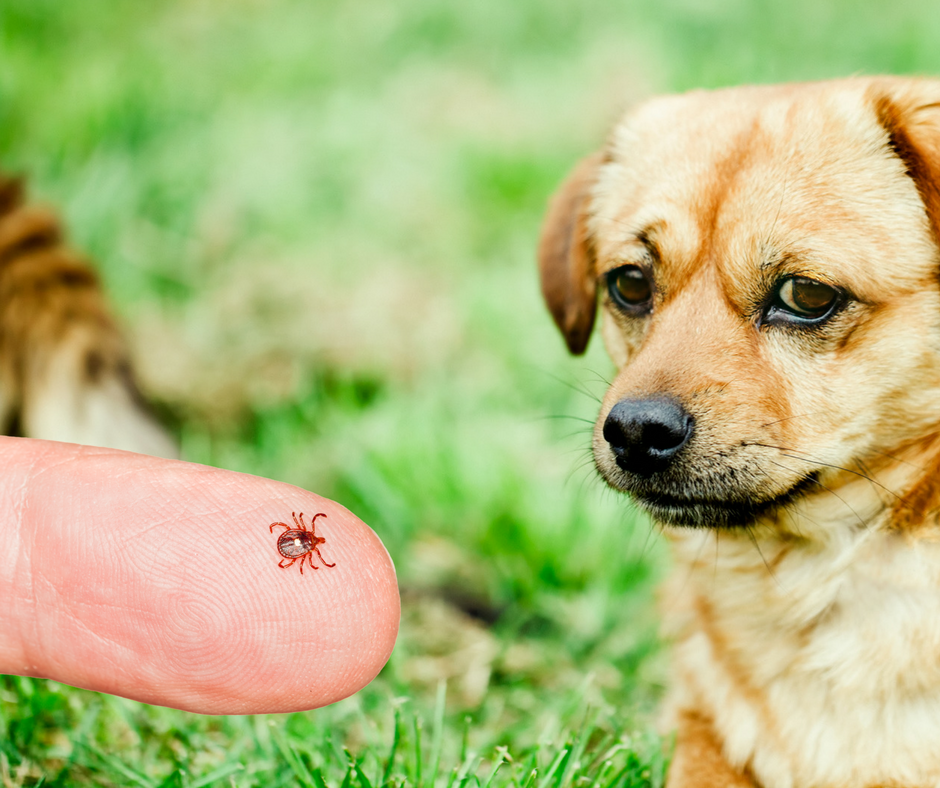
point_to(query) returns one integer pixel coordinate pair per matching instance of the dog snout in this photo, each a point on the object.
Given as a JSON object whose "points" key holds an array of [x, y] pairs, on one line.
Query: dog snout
{"points": [[646, 434]]}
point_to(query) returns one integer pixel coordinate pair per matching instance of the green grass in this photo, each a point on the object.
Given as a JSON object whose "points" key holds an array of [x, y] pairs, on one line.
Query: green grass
{"points": [[86, 738], [317, 220]]}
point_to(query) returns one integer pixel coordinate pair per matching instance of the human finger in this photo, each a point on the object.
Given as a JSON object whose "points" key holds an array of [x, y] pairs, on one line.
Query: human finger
{"points": [[159, 580]]}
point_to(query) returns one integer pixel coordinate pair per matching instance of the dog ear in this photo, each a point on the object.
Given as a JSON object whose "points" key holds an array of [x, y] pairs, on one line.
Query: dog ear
{"points": [[909, 110], [566, 257]]}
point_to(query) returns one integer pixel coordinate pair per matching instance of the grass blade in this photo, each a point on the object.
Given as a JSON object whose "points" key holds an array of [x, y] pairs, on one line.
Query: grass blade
{"points": [[121, 768], [437, 736], [296, 764], [173, 780], [396, 738], [219, 774], [502, 757], [417, 751], [558, 761]]}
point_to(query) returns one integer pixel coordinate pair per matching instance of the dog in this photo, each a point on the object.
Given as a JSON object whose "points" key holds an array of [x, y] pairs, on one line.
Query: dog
{"points": [[65, 370], [767, 263]]}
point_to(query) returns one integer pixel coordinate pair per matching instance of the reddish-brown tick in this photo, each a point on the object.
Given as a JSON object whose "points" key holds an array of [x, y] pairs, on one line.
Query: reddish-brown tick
{"points": [[299, 543]]}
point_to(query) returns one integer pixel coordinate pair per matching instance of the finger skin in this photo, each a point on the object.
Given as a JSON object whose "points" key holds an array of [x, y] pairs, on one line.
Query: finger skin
{"points": [[158, 580]]}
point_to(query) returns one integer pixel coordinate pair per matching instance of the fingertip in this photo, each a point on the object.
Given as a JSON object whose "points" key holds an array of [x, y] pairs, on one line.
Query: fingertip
{"points": [[165, 587], [302, 639], [340, 621]]}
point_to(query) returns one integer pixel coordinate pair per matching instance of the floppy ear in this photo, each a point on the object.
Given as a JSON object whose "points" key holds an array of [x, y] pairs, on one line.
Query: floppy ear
{"points": [[566, 257], [909, 110]]}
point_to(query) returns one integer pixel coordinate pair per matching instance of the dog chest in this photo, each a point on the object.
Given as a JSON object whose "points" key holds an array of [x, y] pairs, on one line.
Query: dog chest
{"points": [[820, 665]]}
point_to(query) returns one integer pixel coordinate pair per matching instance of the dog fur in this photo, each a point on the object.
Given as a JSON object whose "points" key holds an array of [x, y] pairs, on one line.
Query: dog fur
{"points": [[804, 603], [65, 372]]}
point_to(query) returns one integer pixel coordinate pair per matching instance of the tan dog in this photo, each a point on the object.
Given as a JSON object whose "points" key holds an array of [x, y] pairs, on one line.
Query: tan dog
{"points": [[769, 274], [65, 372]]}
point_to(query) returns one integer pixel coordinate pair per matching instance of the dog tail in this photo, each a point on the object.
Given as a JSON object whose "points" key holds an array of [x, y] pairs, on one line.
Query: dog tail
{"points": [[65, 371]]}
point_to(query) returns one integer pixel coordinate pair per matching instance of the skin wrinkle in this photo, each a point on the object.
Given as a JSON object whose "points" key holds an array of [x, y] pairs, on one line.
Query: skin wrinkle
{"points": [[36, 651], [112, 646], [154, 557], [17, 567], [65, 605]]}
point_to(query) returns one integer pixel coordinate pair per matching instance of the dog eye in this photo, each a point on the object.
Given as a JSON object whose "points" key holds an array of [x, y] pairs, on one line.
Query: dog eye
{"points": [[630, 288], [803, 298]]}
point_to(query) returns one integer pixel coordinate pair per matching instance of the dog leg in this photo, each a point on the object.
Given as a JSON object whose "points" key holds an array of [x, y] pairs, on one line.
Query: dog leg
{"points": [[65, 373], [698, 761]]}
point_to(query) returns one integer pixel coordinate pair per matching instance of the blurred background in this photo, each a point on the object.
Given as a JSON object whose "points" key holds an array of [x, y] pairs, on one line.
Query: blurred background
{"points": [[317, 221]]}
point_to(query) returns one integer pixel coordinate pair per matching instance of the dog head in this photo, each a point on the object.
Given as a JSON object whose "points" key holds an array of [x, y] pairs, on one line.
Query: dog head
{"points": [[766, 263]]}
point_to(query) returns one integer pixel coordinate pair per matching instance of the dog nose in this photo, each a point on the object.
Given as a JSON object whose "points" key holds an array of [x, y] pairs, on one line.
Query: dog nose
{"points": [[645, 434]]}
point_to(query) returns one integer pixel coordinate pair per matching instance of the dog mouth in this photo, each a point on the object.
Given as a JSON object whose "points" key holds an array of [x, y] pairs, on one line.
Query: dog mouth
{"points": [[707, 512]]}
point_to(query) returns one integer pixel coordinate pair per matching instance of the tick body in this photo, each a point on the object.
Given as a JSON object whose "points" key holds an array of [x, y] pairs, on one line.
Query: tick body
{"points": [[299, 544]]}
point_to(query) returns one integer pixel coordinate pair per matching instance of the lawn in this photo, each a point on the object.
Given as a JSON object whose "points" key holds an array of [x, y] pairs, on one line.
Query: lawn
{"points": [[317, 221]]}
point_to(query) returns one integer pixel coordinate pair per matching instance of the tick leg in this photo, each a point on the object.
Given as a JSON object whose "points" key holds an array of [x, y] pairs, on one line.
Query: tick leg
{"points": [[286, 566], [271, 529], [310, 559], [313, 522], [299, 525], [317, 551]]}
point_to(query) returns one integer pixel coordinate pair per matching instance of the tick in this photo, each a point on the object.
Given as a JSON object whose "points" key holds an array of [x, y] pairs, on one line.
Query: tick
{"points": [[299, 543]]}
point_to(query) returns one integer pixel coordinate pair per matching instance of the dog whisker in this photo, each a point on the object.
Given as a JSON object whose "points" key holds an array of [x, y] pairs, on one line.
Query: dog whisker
{"points": [[583, 452], [790, 418], [871, 478], [815, 461], [753, 538], [652, 528], [577, 388], [585, 466], [794, 506], [914, 465], [848, 506], [847, 470], [600, 378], [566, 416]]}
